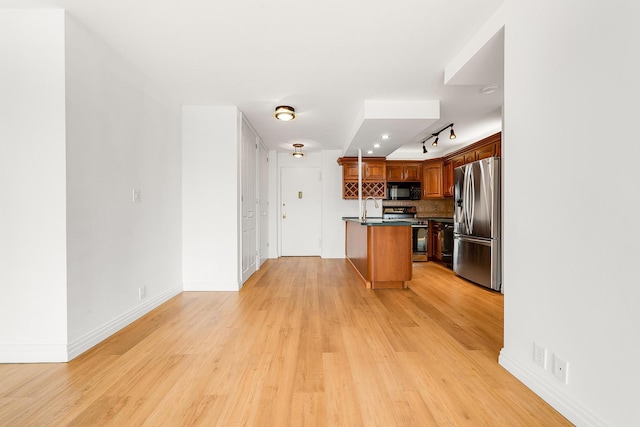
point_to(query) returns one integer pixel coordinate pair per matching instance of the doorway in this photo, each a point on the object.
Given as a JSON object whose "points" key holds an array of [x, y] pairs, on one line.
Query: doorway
{"points": [[300, 211]]}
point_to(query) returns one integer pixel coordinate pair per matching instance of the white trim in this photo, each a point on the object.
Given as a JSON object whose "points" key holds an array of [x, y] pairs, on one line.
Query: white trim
{"points": [[211, 286], [33, 353], [98, 335], [555, 397], [58, 353]]}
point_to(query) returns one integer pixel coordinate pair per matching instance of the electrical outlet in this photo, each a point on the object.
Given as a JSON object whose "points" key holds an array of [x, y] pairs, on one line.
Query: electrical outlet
{"points": [[142, 292], [561, 369], [540, 355]]}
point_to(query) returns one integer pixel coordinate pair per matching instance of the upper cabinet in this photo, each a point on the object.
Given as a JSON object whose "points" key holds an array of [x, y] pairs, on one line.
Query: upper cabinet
{"points": [[447, 178], [488, 147], [401, 171], [374, 170], [374, 181], [436, 175], [432, 182]]}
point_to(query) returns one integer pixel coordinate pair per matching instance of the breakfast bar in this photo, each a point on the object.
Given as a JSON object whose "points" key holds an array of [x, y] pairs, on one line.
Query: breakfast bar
{"points": [[380, 251]]}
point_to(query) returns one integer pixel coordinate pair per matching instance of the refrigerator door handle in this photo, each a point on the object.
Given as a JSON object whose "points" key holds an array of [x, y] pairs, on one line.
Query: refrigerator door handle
{"points": [[472, 201], [484, 242]]}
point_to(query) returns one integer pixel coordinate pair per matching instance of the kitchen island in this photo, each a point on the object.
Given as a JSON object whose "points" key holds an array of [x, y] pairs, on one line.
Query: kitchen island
{"points": [[380, 251]]}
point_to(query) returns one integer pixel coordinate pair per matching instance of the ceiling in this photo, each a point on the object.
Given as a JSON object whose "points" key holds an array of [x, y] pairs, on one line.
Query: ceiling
{"points": [[333, 61]]}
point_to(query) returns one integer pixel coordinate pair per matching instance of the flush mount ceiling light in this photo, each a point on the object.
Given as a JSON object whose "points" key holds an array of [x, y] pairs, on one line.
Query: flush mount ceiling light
{"points": [[297, 150], [452, 135], [385, 136], [284, 113]]}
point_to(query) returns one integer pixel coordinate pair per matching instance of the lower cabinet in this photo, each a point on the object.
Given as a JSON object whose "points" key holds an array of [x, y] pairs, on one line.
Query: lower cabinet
{"points": [[435, 238]]}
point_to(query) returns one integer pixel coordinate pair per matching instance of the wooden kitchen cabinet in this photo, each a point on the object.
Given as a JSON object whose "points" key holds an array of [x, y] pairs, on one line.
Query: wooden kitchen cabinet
{"points": [[488, 147], [435, 240], [432, 179], [486, 151], [374, 170], [373, 177], [400, 171], [447, 178]]}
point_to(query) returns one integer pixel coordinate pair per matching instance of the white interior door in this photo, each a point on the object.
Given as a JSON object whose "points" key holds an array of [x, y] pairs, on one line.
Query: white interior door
{"points": [[249, 205], [263, 202], [300, 211]]}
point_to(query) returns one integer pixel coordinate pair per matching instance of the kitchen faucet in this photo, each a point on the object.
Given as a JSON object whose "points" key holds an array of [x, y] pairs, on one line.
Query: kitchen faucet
{"points": [[364, 207]]}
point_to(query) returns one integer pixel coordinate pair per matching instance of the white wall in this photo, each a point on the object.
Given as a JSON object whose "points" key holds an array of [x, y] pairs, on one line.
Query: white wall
{"points": [[33, 324], [122, 133], [210, 204], [334, 207], [80, 129], [571, 201]]}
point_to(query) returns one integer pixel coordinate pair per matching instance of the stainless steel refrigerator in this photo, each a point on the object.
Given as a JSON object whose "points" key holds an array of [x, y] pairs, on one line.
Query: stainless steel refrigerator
{"points": [[476, 244]]}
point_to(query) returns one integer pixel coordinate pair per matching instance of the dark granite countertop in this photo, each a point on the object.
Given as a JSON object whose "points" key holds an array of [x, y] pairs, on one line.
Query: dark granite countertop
{"points": [[436, 219], [378, 221]]}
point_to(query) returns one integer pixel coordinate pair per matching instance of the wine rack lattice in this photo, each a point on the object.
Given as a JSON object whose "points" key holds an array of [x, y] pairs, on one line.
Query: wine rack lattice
{"points": [[373, 189]]}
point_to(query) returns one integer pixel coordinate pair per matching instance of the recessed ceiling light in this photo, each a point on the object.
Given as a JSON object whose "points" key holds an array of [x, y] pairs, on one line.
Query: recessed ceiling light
{"points": [[370, 152], [376, 145], [385, 136], [489, 89]]}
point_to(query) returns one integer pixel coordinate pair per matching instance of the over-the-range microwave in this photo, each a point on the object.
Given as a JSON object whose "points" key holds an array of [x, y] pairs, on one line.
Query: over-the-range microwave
{"points": [[403, 191]]}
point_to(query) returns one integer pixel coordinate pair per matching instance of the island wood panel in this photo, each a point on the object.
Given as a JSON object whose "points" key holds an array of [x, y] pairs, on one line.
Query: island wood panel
{"points": [[356, 249], [390, 256], [380, 254]]}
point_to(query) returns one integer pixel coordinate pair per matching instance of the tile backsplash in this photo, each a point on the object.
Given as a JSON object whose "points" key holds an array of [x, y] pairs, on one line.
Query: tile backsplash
{"points": [[427, 208]]}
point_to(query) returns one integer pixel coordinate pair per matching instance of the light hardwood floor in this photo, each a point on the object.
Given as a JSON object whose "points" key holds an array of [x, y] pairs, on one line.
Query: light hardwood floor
{"points": [[303, 343]]}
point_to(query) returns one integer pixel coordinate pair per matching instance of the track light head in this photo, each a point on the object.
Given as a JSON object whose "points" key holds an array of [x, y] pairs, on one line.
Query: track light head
{"points": [[435, 143], [424, 149], [452, 134]]}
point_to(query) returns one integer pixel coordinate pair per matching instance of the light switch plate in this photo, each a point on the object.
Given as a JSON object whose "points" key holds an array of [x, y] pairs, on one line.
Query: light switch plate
{"points": [[136, 195]]}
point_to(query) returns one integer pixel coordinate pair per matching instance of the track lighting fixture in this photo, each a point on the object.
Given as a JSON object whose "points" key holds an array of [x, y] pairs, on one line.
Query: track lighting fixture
{"points": [[297, 151], [452, 135], [284, 113]]}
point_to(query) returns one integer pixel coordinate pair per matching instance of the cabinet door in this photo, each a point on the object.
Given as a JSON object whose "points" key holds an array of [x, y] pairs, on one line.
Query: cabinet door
{"points": [[435, 246], [412, 173], [486, 151], [350, 171], [432, 182], [375, 171], [394, 173], [457, 161], [469, 157], [447, 179]]}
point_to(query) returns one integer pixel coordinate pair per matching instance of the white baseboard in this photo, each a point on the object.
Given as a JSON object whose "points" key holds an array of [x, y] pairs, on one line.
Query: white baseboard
{"points": [[33, 353], [211, 286], [54, 353], [554, 396], [98, 335]]}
